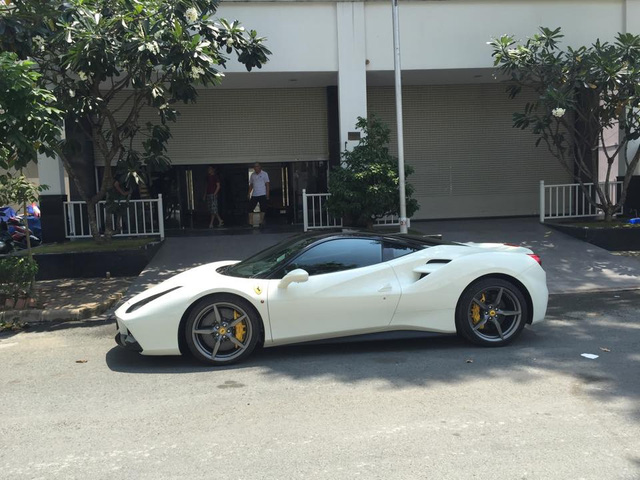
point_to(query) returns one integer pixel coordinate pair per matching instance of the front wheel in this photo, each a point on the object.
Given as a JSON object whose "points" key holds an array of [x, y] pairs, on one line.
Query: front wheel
{"points": [[491, 312], [222, 329]]}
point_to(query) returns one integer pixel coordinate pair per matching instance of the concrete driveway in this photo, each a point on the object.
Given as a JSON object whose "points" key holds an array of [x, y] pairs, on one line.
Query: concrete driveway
{"points": [[571, 265]]}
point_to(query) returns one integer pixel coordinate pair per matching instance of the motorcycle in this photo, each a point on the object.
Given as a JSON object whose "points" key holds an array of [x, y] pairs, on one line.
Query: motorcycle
{"points": [[18, 234]]}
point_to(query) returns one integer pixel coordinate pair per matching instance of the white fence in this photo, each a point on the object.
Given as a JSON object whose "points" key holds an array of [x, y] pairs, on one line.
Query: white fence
{"points": [[569, 200], [133, 218], [316, 215]]}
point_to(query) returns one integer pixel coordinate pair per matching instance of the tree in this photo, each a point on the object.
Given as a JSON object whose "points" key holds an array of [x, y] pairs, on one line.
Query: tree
{"points": [[107, 59], [29, 125], [582, 92], [365, 186], [29, 122]]}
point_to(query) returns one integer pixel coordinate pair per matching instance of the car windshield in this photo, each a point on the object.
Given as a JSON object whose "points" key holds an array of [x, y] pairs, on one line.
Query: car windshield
{"points": [[262, 263]]}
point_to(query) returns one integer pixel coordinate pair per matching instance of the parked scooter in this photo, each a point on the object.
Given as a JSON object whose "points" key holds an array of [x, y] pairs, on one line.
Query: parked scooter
{"points": [[18, 233]]}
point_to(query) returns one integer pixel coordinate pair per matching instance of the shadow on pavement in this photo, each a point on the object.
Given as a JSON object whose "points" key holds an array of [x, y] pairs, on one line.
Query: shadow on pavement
{"points": [[575, 324]]}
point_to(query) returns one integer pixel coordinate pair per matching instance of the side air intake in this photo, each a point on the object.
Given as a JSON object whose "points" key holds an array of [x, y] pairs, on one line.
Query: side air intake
{"points": [[430, 267]]}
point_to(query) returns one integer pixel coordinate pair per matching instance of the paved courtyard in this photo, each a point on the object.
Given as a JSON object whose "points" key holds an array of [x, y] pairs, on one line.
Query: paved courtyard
{"points": [[571, 265]]}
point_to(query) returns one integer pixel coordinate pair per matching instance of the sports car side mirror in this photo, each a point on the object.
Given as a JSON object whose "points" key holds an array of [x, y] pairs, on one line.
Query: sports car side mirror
{"points": [[298, 276]]}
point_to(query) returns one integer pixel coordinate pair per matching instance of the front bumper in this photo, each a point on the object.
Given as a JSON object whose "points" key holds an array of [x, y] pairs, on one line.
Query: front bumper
{"points": [[126, 340]]}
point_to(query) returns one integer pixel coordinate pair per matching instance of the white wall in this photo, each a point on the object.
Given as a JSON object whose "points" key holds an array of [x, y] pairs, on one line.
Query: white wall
{"points": [[302, 36], [453, 34], [434, 34]]}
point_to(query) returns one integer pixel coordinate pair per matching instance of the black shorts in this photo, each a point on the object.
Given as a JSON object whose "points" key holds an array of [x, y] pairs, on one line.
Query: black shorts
{"points": [[262, 200]]}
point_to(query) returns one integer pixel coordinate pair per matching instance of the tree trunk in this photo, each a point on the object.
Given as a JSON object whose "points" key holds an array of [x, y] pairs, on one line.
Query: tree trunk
{"points": [[608, 213], [93, 219], [29, 252]]}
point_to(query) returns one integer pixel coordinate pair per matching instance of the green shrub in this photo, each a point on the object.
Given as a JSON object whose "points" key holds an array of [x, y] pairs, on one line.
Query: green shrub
{"points": [[16, 275], [365, 185]]}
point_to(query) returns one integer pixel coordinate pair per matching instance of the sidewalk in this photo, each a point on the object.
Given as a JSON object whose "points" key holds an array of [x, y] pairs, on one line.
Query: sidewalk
{"points": [[70, 299], [571, 265]]}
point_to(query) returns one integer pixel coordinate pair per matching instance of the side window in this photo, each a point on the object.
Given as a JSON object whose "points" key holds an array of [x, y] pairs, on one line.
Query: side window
{"points": [[338, 255], [391, 250]]}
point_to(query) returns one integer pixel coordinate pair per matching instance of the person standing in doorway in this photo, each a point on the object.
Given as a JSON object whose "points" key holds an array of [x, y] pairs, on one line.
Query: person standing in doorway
{"points": [[211, 195], [258, 189]]}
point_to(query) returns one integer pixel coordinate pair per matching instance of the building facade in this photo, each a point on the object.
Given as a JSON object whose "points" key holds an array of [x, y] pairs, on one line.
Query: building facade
{"points": [[333, 62]]}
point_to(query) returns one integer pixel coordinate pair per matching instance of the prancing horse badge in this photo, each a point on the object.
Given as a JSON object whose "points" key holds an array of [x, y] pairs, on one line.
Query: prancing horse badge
{"points": [[257, 289]]}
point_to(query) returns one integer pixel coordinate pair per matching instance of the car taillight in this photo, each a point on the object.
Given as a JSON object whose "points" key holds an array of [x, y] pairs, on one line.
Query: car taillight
{"points": [[536, 258]]}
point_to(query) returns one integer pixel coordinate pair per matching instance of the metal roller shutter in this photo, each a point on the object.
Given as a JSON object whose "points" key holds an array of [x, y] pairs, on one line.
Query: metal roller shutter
{"points": [[468, 160], [249, 125]]}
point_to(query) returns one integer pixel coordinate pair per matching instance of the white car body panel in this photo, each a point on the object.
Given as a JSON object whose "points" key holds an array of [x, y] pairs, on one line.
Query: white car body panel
{"points": [[341, 303], [442, 287], [382, 297]]}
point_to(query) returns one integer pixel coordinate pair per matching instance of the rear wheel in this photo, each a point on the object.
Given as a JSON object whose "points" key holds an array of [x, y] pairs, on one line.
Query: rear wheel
{"points": [[491, 312], [222, 329]]}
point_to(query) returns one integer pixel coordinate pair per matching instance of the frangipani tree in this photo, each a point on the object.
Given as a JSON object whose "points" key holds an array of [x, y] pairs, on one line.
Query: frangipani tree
{"points": [[29, 124], [582, 93], [105, 60]]}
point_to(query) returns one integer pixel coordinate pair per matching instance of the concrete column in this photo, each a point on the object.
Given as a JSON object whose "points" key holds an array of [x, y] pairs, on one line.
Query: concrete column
{"points": [[51, 173], [352, 75]]}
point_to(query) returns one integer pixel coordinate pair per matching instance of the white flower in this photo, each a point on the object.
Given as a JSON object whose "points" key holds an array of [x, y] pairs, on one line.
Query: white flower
{"points": [[153, 47], [83, 76], [191, 14], [72, 93], [1, 111], [230, 42], [512, 51], [558, 112], [196, 72], [38, 41]]}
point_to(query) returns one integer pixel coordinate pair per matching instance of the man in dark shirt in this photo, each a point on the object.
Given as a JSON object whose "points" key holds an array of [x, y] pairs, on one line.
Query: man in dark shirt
{"points": [[211, 195]]}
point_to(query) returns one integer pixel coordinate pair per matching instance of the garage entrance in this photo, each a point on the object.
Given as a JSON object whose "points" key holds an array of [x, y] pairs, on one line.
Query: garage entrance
{"points": [[184, 186]]}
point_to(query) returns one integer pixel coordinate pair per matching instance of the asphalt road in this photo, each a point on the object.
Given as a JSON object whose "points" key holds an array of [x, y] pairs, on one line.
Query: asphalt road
{"points": [[385, 409]]}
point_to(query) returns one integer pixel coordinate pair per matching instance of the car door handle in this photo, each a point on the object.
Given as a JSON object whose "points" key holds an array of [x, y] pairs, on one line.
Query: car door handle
{"points": [[385, 288]]}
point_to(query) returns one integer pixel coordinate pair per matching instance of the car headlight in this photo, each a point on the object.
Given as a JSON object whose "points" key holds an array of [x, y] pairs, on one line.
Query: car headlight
{"points": [[144, 301]]}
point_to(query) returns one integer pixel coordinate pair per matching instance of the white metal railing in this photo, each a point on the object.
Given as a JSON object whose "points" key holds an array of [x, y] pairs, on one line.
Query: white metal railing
{"points": [[316, 216], [133, 218], [390, 221], [570, 200]]}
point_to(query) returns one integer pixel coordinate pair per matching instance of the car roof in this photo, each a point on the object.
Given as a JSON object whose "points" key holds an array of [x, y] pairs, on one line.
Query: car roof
{"points": [[407, 239]]}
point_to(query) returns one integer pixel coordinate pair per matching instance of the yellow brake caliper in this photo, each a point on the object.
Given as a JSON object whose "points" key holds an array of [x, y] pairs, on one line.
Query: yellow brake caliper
{"points": [[241, 329], [475, 311]]}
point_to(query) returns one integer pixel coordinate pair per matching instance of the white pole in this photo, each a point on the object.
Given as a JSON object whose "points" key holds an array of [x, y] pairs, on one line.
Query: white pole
{"points": [[396, 62], [542, 202], [305, 213], [160, 216]]}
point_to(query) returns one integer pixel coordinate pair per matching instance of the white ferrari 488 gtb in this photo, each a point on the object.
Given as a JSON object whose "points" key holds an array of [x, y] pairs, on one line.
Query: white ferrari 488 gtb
{"points": [[313, 287]]}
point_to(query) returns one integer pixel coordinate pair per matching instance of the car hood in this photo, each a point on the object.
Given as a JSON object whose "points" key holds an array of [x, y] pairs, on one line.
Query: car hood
{"points": [[192, 278]]}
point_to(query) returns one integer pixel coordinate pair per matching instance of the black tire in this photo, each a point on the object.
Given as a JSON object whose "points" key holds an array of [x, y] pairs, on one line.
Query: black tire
{"points": [[211, 322], [491, 312]]}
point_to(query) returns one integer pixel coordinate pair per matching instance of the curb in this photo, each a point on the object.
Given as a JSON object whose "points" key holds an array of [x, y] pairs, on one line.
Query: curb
{"points": [[34, 316]]}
